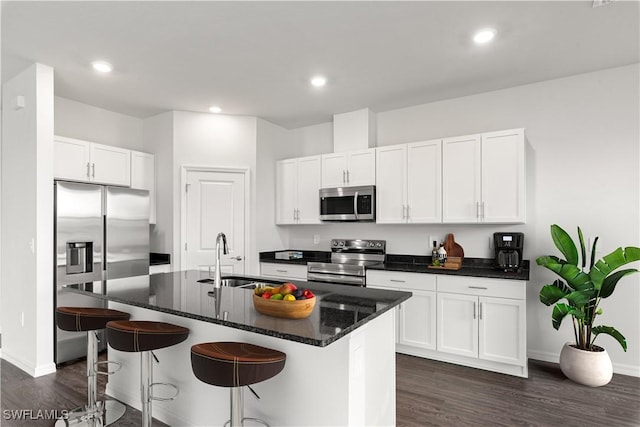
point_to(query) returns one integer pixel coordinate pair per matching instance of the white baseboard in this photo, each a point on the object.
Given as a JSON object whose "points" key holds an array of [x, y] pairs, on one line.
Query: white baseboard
{"points": [[34, 371], [618, 368]]}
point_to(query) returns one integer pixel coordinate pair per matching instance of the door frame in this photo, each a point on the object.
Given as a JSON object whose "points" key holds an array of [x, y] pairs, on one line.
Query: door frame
{"points": [[184, 170]]}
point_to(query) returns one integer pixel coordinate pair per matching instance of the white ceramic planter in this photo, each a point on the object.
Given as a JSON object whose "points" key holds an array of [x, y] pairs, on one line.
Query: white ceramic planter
{"points": [[590, 368]]}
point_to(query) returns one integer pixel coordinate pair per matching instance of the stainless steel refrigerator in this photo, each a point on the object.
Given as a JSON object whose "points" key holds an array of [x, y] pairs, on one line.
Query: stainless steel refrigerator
{"points": [[101, 232]]}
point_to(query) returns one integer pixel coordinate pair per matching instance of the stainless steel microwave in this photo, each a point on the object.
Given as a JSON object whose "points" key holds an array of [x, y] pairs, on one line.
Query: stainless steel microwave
{"points": [[348, 203]]}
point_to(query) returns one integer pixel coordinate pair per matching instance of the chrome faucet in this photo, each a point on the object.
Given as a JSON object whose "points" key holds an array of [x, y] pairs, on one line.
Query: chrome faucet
{"points": [[218, 277]]}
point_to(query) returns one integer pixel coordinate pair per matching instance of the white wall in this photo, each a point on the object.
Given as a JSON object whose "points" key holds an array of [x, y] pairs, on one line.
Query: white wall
{"points": [[310, 140], [583, 133], [82, 121], [27, 225], [158, 139], [273, 143], [213, 141]]}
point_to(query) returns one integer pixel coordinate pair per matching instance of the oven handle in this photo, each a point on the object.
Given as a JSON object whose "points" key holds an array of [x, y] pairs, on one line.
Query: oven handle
{"points": [[332, 278], [355, 205]]}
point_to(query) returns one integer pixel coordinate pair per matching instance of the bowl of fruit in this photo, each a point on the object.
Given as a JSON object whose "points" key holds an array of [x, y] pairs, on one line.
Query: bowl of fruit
{"points": [[286, 301]]}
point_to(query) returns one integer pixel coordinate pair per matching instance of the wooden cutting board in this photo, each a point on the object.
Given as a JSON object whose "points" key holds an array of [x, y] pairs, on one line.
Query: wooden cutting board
{"points": [[453, 249]]}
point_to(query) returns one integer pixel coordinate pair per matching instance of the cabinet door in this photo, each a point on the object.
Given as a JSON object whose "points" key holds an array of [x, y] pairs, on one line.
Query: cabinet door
{"points": [[503, 177], [309, 176], [71, 159], [110, 165], [457, 324], [461, 179], [417, 320], [286, 191], [502, 330], [361, 167], [143, 177], [391, 178], [334, 170], [424, 182]]}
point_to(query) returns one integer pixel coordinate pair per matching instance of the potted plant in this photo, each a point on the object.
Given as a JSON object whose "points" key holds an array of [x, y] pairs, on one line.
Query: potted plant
{"points": [[584, 362]]}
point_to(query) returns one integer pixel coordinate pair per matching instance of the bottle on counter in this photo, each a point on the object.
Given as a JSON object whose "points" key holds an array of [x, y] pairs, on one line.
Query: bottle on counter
{"points": [[442, 254], [434, 253]]}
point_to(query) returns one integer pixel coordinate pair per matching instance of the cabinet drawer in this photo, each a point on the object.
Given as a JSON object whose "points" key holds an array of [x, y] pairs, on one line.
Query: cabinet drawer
{"points": [[286, 271], [401, 280], [500, 288]]}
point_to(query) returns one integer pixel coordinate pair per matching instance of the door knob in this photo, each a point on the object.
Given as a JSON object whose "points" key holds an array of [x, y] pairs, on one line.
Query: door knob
{"points": [[237, 258]]}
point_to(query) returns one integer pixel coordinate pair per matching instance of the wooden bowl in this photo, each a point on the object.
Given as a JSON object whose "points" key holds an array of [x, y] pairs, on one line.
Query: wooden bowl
{"points": [[298, 309]]}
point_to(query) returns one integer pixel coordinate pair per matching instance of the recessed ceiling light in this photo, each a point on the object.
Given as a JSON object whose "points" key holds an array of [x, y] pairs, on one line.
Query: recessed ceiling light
{"points": [[215, 109], [102, 66], [484, 36], [319, 81]]}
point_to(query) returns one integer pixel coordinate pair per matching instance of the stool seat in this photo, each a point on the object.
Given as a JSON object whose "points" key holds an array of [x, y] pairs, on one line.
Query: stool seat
{"points": [[81, 319], [135, 336], [235, 364]]}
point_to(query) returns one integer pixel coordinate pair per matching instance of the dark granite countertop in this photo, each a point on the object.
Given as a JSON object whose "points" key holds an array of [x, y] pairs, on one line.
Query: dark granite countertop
{"points": [[475, 267], [339, 309]]}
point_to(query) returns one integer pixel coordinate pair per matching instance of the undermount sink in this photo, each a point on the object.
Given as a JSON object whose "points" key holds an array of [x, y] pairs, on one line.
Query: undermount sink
{"points": [[239, 282]]}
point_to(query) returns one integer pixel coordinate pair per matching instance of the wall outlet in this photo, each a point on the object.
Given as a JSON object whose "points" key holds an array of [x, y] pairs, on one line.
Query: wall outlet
{"points": [[316, 239], [433, 238]]}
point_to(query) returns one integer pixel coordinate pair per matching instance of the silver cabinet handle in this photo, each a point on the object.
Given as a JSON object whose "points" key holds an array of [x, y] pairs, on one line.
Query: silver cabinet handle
{"points": [[477, 209], [347, 176], [344, 174], [483, 211], [237, 258], [298, 214], [294, 213], [477, 287], [282, 271], [407, 212], [403, 212], [474, 309], [93, 170], [88, 174], [397, 281], [480, 311]]}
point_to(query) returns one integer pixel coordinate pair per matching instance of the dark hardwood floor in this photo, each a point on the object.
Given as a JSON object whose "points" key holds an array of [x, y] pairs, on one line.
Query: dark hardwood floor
{"points": [[429, 393]]}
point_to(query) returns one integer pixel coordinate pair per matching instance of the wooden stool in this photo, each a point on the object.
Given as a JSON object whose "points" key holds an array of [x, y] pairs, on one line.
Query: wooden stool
{"points": [[235, 364], [143, 337], [90, 319]]}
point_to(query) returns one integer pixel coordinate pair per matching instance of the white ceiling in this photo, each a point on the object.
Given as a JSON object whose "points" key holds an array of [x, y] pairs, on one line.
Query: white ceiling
{"points": [[255, 58]]}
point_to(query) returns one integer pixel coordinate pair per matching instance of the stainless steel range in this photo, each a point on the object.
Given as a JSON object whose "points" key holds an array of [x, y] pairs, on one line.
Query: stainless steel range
{"points": [[349, 258]]}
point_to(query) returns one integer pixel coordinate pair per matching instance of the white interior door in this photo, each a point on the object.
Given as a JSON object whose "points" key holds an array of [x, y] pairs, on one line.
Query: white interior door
{"points": [[215, 203]]}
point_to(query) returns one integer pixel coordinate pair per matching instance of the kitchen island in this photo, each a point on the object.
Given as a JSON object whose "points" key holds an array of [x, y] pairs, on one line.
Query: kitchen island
{"points": [[340, 367]]}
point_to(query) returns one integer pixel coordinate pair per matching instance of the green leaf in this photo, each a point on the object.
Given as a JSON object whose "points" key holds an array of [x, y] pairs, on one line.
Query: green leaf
{"points": [[580, 298], [565, 244], [575, 278], [551, 294], [614, 260], [593, 252], [582, 251], [610, 282], [560, 310], [612, 332]]}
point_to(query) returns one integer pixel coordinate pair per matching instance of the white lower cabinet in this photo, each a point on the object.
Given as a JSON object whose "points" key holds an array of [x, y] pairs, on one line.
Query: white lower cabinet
{"points": [[416, 317], [472, 321], [283, 271]]}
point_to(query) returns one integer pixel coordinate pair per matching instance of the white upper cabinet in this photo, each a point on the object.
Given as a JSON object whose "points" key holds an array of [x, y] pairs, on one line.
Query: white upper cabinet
{"points": [[503, 177], [483, 178], [71, 159], [143, 177], [78, 160], [349, 169], [297, 190], [408, 183]]}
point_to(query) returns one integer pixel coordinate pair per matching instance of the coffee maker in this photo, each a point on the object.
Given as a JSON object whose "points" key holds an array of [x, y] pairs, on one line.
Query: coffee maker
{"points": [[508, 250]]}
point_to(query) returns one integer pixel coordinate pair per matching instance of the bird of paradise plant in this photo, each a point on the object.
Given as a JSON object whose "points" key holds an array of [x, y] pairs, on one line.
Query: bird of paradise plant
{"points": [[583, 290]]}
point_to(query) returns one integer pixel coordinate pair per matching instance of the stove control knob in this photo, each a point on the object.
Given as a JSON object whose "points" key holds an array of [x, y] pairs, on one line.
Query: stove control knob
{"points": [[379, 244], [371, 244], [335, 243], [341, 243]]}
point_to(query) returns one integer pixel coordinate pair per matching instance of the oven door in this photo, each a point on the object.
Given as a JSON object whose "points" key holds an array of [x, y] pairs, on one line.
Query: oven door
{"points": [[340, 279]]}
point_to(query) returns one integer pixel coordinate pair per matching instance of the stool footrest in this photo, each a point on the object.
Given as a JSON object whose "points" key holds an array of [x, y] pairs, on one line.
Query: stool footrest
{"points": [[107, 362], [152, 397], [258, 420]]}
